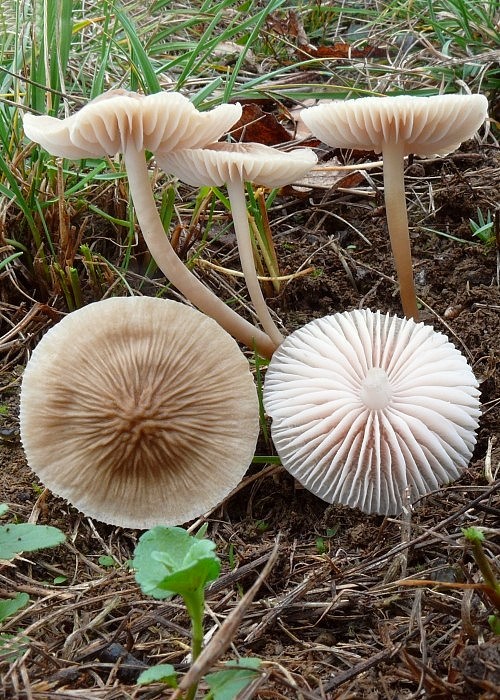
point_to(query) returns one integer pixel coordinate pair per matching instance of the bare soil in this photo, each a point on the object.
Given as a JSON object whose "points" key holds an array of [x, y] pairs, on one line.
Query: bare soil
{"points": [[328, 622]]}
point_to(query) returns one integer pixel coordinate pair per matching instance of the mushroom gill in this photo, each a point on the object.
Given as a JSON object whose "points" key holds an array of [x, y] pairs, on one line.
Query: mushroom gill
{"points": [[365, 405], [139, 411]]}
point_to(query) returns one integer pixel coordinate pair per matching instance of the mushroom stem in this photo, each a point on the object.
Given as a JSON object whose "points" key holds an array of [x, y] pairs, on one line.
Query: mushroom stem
{"points": [[174, 269], [239, 212], [397, 222]]}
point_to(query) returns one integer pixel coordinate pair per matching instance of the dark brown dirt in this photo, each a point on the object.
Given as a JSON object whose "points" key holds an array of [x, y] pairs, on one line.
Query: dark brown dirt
{"points": [[328, 622]]}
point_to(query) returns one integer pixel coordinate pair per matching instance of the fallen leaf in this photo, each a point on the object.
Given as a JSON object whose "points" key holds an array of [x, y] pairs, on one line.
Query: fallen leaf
{"points": [[287, 25], [291, 26], [344, 50], [325, 179], [257, 126]]}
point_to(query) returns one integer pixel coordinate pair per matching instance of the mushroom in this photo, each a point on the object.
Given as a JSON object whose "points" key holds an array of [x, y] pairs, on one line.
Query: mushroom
{"points": [[232, 164], [129, 123], [395, 127], [139, 411], [365, 405]]}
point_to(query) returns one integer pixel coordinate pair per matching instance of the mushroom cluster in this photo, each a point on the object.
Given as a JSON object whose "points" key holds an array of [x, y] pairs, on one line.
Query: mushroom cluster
{"points": [[168, 124], [129, 123], [363, 406]]}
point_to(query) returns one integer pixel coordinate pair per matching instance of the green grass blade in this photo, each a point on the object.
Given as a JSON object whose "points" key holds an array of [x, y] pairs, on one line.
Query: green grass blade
{"points": [[142, 71]]}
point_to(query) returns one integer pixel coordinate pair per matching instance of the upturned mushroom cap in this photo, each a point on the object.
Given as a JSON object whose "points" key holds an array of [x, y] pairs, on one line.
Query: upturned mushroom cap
{"points": [[434, 125], [108, 123], [139, 411], [220, 163], [364, 405]]}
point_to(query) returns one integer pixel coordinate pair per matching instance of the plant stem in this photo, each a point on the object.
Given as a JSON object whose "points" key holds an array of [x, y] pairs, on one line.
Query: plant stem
{"points": [[268, 249], [485, 569], [174, 269], [397, 223], [491, 587], [236, 193], [195, 604]]}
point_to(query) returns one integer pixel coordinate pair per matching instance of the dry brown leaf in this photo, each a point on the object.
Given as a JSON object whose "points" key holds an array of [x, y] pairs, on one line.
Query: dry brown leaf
{"points": [[331, 179], [290, 25], [257, 126], [343, 50]]}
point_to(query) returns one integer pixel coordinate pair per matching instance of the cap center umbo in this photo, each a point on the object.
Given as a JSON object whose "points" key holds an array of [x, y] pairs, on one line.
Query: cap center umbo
{"points": [[376, 390], [141, 415]]}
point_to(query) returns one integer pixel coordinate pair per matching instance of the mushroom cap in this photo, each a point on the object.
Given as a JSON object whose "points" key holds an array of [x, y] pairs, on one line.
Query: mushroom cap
{"points": [[219, 163], [108, 123], [139, 411], [434, 125], [364, 405]]}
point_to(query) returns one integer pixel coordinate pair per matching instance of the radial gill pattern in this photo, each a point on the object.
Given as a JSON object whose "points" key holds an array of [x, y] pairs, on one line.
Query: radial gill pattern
{"points": [[365, 405], [423, 125], [139, 411], [117, 119]]}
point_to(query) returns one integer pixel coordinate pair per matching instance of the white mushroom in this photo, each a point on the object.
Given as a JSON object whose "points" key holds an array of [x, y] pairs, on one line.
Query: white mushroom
{"points": [[128, 123], [364, 405], [139, 411], [232, 164], [395, 127]]}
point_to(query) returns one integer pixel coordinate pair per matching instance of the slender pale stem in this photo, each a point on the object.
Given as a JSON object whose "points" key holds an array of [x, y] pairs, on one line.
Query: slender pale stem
{"points": [[236, 193], [175, 270], [397, 222]]}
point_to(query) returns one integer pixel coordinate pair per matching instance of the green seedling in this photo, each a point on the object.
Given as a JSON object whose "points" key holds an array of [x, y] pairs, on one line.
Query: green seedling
{"points": [[490, 586], [26, 537], [482, 227], [14, 539], [163, 673], [9, 606], [474, 537], [262, 526], [169, 561], [107, 562], [235, 677], [322, 544]]}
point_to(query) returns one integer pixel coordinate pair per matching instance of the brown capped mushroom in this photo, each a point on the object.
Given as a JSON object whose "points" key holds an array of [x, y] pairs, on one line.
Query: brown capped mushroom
{"points": [[232, 164], [365, 405], [139, 411], [395, 127], [128, 123]]}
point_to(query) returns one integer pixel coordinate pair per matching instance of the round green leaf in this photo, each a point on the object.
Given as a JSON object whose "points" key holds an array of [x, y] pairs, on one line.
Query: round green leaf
{"points": [[169, 561]]}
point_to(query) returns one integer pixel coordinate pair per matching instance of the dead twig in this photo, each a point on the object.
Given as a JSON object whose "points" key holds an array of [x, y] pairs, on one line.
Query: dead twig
{"points": [[362, 667], [269, 618]]}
